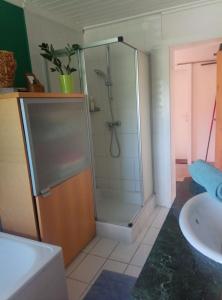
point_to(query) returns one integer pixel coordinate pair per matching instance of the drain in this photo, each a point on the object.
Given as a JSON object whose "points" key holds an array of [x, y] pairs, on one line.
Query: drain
{"points": [[197, 221]]}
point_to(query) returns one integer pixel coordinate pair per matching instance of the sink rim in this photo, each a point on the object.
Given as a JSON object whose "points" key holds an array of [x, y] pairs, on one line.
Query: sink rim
{"points": [[189, 233]]}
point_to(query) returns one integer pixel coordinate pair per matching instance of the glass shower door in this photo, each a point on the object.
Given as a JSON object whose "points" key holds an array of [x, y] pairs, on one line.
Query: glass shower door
{"points": [[112, 89]]}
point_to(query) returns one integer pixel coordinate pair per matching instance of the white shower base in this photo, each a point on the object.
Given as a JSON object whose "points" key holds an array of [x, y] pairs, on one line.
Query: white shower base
{"points": [[117, 207], [116, 212], [123, 232]]}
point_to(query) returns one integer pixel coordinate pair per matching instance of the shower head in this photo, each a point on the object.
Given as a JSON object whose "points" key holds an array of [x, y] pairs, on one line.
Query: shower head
{"points": [[100, 73]]}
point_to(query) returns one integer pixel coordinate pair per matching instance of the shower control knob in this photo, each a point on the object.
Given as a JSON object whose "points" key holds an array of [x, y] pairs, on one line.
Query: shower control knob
{"points": [[114, 124], [117, 123]]}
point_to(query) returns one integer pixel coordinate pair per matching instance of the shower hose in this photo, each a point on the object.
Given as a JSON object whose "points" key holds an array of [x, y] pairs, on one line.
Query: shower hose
{"points": [[114, 141]]}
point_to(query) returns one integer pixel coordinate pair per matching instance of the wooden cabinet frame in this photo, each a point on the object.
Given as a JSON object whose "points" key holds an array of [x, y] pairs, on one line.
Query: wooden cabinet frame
{"points": [[66, 216]]}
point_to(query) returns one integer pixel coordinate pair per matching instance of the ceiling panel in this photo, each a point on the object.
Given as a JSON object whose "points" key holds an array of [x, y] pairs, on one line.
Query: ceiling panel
{"points": [[83, 13]]}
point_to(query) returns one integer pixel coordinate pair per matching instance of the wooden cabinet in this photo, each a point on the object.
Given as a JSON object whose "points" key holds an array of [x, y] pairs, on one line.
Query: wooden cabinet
{"points": [[17, 212], [66, 216], [218, 146]]}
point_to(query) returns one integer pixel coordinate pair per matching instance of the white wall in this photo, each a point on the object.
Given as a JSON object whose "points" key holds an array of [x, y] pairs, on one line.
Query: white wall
{"points": [[40, 30], [157, 34]]}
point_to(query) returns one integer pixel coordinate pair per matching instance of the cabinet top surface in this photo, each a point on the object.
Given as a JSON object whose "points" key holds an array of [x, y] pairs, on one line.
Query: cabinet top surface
{"points": [[40, 95]]}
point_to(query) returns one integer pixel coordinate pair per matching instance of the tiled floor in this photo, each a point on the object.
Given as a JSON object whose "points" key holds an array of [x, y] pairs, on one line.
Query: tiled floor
{"points": [[104, 254]]}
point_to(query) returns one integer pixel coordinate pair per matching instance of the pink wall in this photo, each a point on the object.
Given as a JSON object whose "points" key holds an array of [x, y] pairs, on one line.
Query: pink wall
{"points": [[182, 94], [196, 52], [194, 91], [204, 93]]}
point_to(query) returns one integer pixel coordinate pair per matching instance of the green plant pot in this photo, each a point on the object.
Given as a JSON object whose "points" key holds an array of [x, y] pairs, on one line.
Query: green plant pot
{"points": [[66, 83]]}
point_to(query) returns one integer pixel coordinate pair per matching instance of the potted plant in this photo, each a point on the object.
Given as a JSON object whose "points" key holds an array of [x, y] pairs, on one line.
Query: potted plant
{"points": [[65, 70]]}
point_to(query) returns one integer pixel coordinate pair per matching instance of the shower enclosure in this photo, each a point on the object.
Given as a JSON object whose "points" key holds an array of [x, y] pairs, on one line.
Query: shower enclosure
{"points": [[121, 156], [115, 77]]}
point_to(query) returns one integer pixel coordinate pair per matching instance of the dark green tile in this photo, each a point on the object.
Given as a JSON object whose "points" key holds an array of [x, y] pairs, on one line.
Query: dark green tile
{"points": [[174, 269]]}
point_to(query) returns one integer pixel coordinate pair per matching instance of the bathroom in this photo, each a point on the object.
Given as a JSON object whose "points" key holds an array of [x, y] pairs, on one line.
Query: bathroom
{"points": [[126, 56]]}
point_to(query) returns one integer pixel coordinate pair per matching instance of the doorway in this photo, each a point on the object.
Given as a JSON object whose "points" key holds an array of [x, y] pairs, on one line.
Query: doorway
{"points": [[193, 101]]}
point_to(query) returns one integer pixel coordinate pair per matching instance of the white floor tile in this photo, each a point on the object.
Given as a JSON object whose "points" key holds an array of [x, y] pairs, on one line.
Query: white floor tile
{"points": [[114, 266], [141, 255], [151, 236], [91, 244], [111, 265], [75, 263], [124, 252], [159, 220], [148, 224], [104, 248], [88, 268], [133, 271], [85, 292], [155, 214], [75, 289]]}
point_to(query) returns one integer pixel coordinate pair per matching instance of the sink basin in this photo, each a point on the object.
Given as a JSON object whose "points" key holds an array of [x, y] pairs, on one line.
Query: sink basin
{"points": [[201, 223]]}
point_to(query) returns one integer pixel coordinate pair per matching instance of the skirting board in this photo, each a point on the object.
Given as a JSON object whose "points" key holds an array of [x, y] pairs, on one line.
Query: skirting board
{"points": [[127, 234]]}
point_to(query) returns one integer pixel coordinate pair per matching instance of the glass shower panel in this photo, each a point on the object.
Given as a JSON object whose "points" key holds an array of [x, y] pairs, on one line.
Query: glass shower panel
{"points": [[112, 89]]}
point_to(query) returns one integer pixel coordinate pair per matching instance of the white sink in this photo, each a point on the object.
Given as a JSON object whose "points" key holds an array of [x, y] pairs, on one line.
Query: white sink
{"points": [[201, 223]]}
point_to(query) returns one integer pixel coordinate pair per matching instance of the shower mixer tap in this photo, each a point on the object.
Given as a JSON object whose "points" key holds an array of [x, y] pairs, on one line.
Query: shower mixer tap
{"points": [[108, 83], [113, 124]]}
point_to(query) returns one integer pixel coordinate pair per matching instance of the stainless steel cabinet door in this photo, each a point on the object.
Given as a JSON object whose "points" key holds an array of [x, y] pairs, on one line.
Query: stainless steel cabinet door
{"points": [[57, 140]]}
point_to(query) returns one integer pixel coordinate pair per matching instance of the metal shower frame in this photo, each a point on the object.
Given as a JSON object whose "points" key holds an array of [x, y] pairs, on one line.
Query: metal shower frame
{"points": [[84, 89]]}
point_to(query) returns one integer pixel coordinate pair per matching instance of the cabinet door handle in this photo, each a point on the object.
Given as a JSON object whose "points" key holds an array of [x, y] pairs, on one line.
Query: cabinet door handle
{"points": [[46, 192]]}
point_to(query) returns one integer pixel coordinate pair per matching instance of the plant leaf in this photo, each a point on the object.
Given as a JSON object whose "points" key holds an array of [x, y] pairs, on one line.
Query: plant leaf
{"points": [[52, 48], [57, 62], [49, 53], [46, 56]]}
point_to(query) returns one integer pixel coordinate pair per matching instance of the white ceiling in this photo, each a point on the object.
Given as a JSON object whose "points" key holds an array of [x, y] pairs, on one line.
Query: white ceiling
{"points": [[83, 13]]}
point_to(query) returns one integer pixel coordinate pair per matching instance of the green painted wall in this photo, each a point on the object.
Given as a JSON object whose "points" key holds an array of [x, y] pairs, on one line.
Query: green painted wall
{"points": [[13, 37]]}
